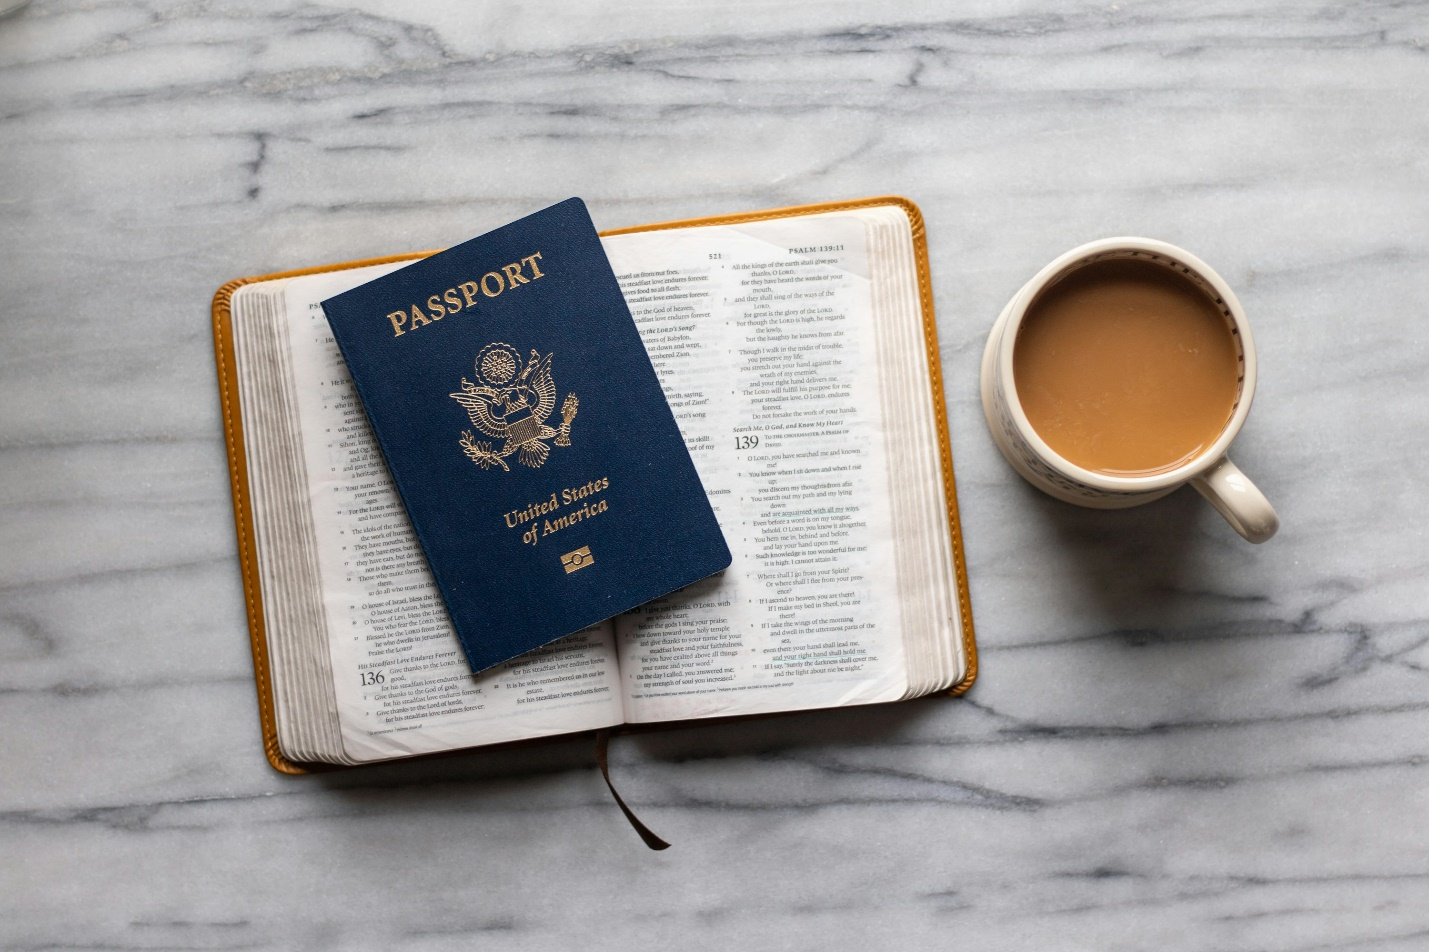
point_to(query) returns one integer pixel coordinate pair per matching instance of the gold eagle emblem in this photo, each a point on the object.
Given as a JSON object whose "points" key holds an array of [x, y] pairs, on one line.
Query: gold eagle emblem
{"points": [[511, 402]]}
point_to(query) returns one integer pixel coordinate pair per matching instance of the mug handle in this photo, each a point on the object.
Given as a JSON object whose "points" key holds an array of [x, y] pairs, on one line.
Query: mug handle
{"points": [[1236, 498]]}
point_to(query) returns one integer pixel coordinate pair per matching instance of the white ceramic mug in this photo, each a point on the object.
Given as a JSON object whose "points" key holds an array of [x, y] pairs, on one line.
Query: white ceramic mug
{"points": [[1211, 472]]}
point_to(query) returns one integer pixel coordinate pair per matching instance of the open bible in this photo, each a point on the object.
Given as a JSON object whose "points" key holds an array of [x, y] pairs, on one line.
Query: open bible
{"points": [[798, 352]]}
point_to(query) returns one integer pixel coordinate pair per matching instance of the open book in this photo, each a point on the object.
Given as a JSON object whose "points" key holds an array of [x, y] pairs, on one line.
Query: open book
{"points": [[798, 352]]}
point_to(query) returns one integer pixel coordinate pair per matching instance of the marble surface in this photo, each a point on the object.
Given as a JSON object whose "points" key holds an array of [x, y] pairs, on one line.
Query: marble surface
{"points": [[1178, 741]]}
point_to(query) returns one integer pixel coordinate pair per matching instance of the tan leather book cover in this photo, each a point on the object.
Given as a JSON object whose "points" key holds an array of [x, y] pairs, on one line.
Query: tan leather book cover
{"points": [[238, 463]]}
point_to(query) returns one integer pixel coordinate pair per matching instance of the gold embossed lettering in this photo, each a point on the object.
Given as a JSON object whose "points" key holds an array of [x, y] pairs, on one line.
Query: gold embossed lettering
{"points": [[464, 295], [513, 275]]}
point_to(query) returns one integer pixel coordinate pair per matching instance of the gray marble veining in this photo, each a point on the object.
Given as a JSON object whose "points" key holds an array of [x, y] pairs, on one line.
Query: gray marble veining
{"points": [[1178, 741]]}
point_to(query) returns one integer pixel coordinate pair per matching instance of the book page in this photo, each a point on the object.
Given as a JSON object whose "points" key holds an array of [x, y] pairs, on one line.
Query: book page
{"points": [[402, 684], [763, 339]]}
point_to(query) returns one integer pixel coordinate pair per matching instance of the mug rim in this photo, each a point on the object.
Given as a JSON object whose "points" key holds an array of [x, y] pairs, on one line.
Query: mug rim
{"points": [[1017, 310]]}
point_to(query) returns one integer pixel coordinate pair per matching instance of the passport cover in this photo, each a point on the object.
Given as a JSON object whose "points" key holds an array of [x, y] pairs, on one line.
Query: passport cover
{"points": [[242, 502], [527, 434]]}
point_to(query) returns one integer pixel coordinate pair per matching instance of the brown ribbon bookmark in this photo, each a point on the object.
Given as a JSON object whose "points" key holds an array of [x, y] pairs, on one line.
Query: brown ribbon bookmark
{"points": [[602, 744]]}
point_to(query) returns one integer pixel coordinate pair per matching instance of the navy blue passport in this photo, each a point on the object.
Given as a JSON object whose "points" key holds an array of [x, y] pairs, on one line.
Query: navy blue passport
{"points": [[527, 434]]}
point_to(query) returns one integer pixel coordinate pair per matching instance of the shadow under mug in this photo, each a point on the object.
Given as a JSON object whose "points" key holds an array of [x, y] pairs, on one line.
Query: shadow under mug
{"points": [[1211, 472]]}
